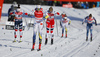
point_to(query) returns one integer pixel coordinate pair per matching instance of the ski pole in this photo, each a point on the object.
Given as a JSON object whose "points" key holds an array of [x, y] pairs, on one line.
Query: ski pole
{"points": [[30, 23], [57, 27], [25, 20]]}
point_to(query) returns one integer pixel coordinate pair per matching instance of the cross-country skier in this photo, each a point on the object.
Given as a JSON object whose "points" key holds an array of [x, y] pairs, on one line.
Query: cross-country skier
{"points": [[13, 7], [62, 16], [38, 25], [50, 24], [65, 22], [18, 22], [90, 19]]}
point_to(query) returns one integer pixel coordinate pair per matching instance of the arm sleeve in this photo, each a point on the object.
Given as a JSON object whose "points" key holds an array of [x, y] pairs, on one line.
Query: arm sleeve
{"points": [[56, 13], [95, 20], [85, 19]]}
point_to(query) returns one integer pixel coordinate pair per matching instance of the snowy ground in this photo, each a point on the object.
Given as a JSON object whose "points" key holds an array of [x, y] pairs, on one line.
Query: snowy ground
{"points": [[73, 46]]}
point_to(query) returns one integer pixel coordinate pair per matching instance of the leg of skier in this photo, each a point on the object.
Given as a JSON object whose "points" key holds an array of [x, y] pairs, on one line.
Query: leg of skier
{"points": [[20, 30], [66, 26], [91, 32], [51, 31], [47, 33], [35, 26], [40, 35], [66, 32], [87, 33], [62, 31], [16, 30], [52, 35]]}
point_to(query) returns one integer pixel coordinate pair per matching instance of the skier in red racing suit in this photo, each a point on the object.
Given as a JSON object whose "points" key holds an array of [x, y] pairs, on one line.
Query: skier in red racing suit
{"points": [[50, 24]]}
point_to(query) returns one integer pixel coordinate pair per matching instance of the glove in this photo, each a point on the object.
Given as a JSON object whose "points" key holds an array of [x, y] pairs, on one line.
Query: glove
{"points": [[68, 23], [29, 15], [46, 16], [58, 13], [26, 13], [60, 24], [11, 13]]}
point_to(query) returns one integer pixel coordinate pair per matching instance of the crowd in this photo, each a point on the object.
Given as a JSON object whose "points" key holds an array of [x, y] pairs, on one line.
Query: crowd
{"points": [[81, 5], [84, 5]]}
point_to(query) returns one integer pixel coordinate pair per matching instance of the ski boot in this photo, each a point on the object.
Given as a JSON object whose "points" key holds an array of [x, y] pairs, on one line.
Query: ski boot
{"points": [[46, 40], [39, 47], [33, 47], [86, 38], [20, 39], [91, 39], [51, 41], [14, 40], [66, 36], [62, 36]]}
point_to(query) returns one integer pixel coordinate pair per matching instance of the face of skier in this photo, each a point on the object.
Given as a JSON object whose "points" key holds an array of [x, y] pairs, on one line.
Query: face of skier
{"points": [[63, 15], [50, 10], [65, 18], [38, 9], [90, 17]]}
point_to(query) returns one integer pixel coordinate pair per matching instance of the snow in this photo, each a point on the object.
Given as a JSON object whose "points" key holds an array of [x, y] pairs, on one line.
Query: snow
{"points": [[73, 46]]}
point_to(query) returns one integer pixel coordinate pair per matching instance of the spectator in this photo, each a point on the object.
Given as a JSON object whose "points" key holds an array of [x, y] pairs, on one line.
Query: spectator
{"points": [[93, 5], [87, 5], [78, 5], [83, 5], [55, 2], [98, 4]]}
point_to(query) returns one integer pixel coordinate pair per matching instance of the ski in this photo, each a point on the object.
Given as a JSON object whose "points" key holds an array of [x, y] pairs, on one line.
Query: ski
{"points": [[63, 37], [38, 49], [32, 49], [14, 41], [20, 41], [17, 41]]}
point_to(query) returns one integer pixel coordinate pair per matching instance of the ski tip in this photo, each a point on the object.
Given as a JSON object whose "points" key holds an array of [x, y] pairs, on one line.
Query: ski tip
{"points": [[14, 41], [20, 41]]}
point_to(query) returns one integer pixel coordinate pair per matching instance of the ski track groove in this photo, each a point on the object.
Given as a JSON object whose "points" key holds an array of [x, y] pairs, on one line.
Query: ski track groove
{"points": [[79, 48], [85, 46], [75, 51]]}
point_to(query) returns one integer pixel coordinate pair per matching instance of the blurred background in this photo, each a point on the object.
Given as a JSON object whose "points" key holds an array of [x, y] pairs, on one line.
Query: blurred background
{"points": [[80, 5]]}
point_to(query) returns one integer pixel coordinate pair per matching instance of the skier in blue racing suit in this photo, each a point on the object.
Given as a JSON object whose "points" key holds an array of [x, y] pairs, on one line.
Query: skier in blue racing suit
{"points": [[90, 19]]}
